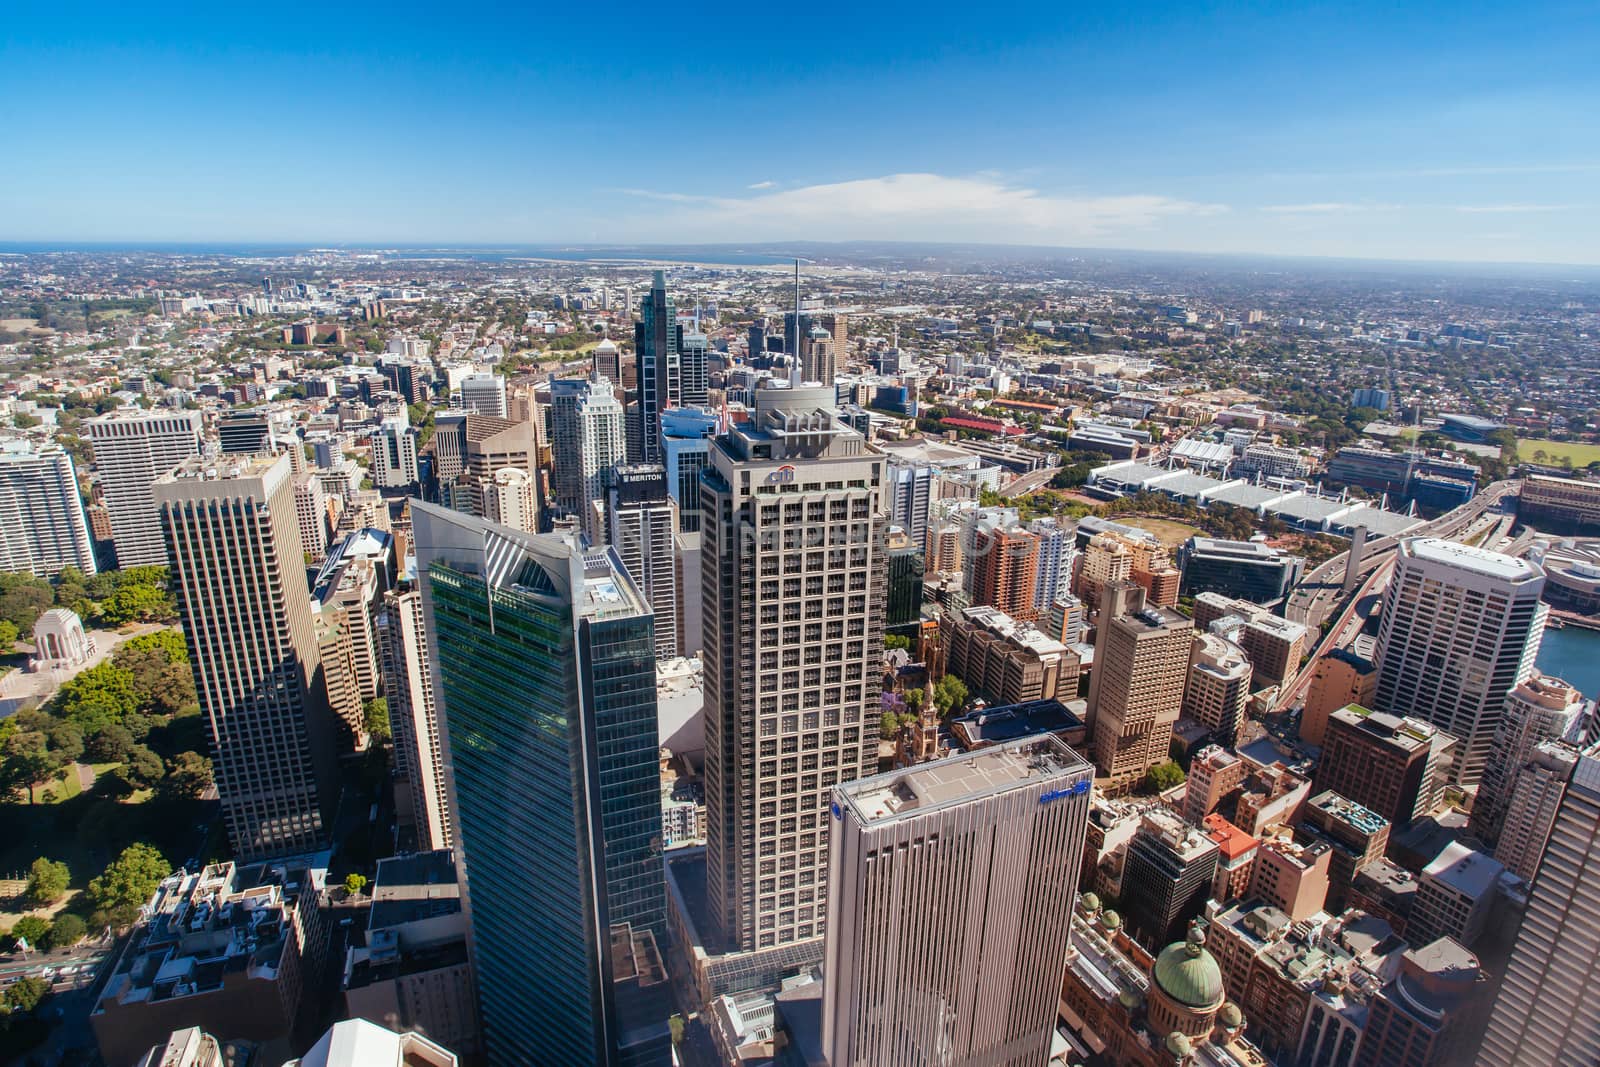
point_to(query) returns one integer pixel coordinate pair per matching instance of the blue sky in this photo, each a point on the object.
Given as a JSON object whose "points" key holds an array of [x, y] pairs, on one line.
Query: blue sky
{"points": [[1464, 131]]}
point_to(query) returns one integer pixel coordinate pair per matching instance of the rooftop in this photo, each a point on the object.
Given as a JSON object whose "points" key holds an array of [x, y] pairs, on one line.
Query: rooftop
{"points": [[1470, 559], [930, 786], [419, 886], [1468, 872]]}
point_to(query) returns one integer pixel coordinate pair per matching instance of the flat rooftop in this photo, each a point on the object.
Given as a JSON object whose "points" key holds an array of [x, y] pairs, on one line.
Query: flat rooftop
{"points": [[1468, 872], [420, 886], [928, 787], [1467, 558]]}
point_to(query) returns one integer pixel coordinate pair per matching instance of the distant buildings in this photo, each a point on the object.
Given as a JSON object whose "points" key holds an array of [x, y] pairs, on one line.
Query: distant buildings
{"points": [[1008, 662], [1561, 505], [42, 523], [132, 449], [1136, 690], [895, 985], [545, 681], [587, 439], [236, 561], [1460, 628]]}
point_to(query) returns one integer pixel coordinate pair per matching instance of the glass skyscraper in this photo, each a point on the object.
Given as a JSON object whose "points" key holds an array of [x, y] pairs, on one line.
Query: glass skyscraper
{"points": [[655, 343], [546, 669]]}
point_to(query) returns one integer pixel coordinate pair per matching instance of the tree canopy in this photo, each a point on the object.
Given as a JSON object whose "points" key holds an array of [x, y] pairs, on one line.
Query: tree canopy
{"points": [[126, 884]]}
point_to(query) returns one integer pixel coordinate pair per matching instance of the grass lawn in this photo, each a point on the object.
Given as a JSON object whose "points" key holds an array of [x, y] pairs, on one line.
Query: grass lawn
{"points": [[61, 789], [1172, 534], [1582, 454]]}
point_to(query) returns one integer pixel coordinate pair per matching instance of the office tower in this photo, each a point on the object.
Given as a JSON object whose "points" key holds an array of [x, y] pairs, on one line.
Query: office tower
{"points": [[756, 340], [1007, 662], [655, 344], [1166, 876], [1454, 896], [470, 449], [1217, 687], [1538, 709], [910, 493], [608, 361], [1247, 570], [508, 499], [484, 394], [42, 523], [1339, 679], [1053, 573], [1460, 629], [793, 585], [1548, 1009], [234, 546], [997, 836], [1393, 766], [394, 454], [1004, 566], [1273, 644], [640, 526], [245, 432], [414, 714], [906, 569], [1136, 690], [693, 349], [1425, 1017], [131, 450], [821, 340], [686, 447], [544, 663], [1358, 835], [1537, 788], [1291, 876], [352, 579], [586, 435], [311, 515], [1213, 774]]}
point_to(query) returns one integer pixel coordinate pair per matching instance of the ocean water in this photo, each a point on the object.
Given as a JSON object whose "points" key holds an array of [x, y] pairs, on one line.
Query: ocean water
{"points": [[1573, 655]]}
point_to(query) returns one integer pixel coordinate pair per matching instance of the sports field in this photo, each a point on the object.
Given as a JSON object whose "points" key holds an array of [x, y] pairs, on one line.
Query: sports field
{"points": [[1528, 450]]}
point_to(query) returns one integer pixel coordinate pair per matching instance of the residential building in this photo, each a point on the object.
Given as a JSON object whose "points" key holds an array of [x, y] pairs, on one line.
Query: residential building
{"points": [[1392, 766], [1243, 570], [1166, 877], [408, 682], [1537, 789], [1004, 565], [898, 991], [1006, 661], [655, 344], [235, 553], [587, 440], [133, 448], [1548, 1008], [230, 949], [1538, 709], [1460, 629], [312, 513], [544, 668], [1136, 690], [42, 524], [1217, 687], [1056, 553], [793, 585], [412, 973], [640, 526], [509, 499], [484, 394], [1340, 678], [394, 454]]}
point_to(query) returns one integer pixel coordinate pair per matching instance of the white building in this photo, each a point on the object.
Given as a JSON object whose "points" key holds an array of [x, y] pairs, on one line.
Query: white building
{"points": [[59, 641], [1539, 709], [588, 436], [485, 393], [509, 500], [133, 448], [641, 525], [1461, 627], [1056, 552], [394, 454], [42, 525]]}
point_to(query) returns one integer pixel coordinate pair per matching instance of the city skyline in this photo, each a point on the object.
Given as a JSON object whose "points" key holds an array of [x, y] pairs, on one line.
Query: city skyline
{"points": [[1318, 133]]}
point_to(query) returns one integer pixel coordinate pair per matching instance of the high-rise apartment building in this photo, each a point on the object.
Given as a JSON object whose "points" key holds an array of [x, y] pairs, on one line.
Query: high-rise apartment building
{"points": [[1136, 689], [545, 684], [1217, 687], [655, 345], [1056, 554], [484, 394], [1537, 789], [1005, 564], [1548, 1009], [1460, 629], [1393, 766], [997, 837], [793, 584], [508, 499], [234, 545], [1538, 709], [394, 454], [640, 525], [311, 514], [414, 714], [42, 523], [133, 448], [587, 439]]}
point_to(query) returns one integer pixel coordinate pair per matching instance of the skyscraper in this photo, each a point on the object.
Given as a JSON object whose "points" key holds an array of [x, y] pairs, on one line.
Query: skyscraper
{"points": [[414, 714], [42, 525], [1539, 709], [1005, 563], [1136, 689], [394, 453], [1537, 789], [655, 344], [484, 394], [639, 525], [686, 448], [545, 674], [586, 436], [234, 545], [951, 887], [1460, 628], [133, 448], [793, 585], [1218, 686], [1548, 1010], [693, 354], [508, 499]]}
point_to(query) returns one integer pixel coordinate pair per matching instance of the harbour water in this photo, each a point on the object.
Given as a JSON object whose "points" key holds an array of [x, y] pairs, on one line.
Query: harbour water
{"points": [[1573, 655]]}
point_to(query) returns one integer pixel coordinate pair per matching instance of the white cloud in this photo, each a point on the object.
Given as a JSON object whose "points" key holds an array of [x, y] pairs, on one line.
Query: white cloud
{"points": [[926, 207], [761, 185]]}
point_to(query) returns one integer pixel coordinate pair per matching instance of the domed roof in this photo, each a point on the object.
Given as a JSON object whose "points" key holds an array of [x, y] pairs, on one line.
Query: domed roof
{"points": [[1091, 902], [1179, 1045], [1230, 1016], [1110, 919], [1189, 974]]}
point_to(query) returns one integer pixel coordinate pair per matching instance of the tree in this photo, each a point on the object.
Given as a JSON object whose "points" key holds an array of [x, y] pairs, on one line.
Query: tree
{"points": [[188, 777], [110, 745], [30, 928], [896, 641], [355, 883], [375, 715], [1163, 776], [97, 698], [24, 995], [126, 884], [137, 603], [26, 760], [675, 1028], [889, 726], [66, 931], [914, 700], [142, 769], [8, 635], [950, 695], [47, 882]]}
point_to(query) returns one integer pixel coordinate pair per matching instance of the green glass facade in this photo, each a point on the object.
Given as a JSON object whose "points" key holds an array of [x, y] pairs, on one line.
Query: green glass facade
{"points": [[551, 720]]}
